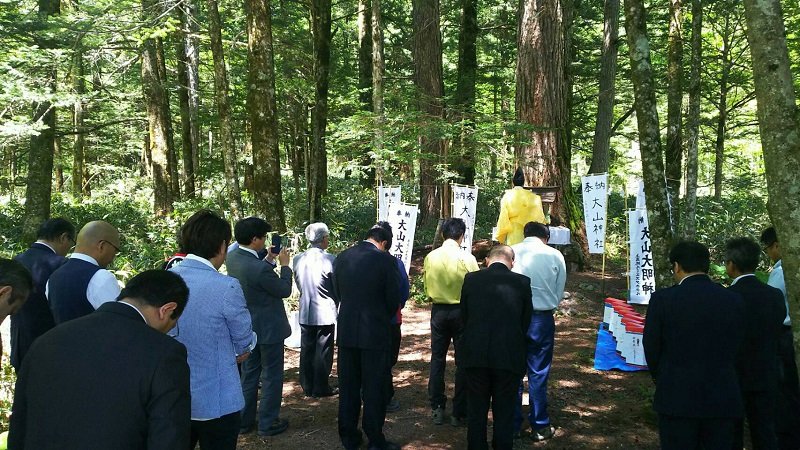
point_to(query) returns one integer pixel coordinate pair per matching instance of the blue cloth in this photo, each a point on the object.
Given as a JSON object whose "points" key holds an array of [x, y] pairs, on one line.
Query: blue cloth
{"points": [[214, 327], [404, 291], [540, 339], [265, 363], [67, 291], [606, 356]]}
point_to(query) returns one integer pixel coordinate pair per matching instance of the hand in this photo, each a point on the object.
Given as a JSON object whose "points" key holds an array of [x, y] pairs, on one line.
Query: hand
{"points": [[283, 257], [240, 359]]}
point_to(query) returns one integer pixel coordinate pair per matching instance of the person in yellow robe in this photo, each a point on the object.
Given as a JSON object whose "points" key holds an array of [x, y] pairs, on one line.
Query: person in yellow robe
{"points": [[518, 207]]}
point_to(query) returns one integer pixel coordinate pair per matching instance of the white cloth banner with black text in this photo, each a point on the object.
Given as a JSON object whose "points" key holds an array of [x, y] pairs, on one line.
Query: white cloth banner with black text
{"points": [[641, 273], [387, 194], [595, 199], [403, 219], [465, 201]]}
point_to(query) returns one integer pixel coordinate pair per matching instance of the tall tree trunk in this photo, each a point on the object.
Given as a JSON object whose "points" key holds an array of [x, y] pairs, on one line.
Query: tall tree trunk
{"points": [[318, 176], [693, 121], [655, 186], [463, 156], [188, 66], [780, 135], [378, 68], [229, 154], [542, 96], [430, 101], [674, 151], [79, 145], [722, 110], [365, 82], [40, 158], [605, 99], [159, 125], [263, 114], [172, 155]]}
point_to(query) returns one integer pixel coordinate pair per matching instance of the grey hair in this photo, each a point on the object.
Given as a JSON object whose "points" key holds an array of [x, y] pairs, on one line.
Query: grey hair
{"points": [[316, 232]]}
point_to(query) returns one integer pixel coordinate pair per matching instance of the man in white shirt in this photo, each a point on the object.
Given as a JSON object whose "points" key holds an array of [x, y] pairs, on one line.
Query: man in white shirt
{"points": [[83, 284], [545, 267]]}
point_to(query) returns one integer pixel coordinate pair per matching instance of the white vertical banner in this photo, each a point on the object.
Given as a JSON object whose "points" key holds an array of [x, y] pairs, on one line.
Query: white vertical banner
{"points": [[641, 273], [640, 203], [403, 219], [465, 201], [387, 194], [595, 199]]}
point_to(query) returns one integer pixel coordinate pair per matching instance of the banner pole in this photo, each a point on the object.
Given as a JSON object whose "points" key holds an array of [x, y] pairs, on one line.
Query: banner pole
{"points": [[628, 241]]}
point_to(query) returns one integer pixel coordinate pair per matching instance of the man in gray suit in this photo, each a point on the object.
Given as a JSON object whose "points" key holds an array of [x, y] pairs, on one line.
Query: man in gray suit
{"points": [[264, 292], [312, 274]]}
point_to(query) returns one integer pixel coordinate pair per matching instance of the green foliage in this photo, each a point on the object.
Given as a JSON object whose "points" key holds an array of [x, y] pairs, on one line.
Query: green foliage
{"points": [[8, 379]]}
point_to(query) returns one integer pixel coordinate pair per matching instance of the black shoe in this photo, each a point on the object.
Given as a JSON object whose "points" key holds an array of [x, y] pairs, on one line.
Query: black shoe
{"points": [[387, 446], [278, 427], [393, 405], [247, 429], [331, 393]]}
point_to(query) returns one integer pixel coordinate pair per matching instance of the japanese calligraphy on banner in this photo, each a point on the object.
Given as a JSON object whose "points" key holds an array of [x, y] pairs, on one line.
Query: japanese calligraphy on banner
{"points": [[465, 199], [595, 198], [403, 219], [385, 195], [641, 273]]}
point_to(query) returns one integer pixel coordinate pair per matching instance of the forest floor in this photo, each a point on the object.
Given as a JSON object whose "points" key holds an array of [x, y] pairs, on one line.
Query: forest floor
{"points": [[591, 409]]}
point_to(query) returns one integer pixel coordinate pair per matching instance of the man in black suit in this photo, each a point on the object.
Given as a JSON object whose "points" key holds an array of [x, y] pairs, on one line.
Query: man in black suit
{"points": [[15, 285], [758, 358], [496, 309], [264, 292], [53, 240], [366, 281], [111, 379], [692, 337]]}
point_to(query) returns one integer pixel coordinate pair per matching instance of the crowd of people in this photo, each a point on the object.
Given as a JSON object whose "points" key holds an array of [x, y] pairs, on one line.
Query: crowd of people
{"points": [[186, 350]]}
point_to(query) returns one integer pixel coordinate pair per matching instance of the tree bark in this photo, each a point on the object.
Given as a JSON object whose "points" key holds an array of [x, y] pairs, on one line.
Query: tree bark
{"points": [[674, 151], [693, 120], [229, 153], [780, 135], [172, 155], [40, 158], [188, 79], [366, 70], [658, 212], [78, 155], [378, 69], [263, 114], [541, 99], [722, 109], [159, 124], [605, 98], [430, 101], [463, 156], [318, 175]]}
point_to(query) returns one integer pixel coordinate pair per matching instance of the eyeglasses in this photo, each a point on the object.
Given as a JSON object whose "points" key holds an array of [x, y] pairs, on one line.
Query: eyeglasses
{"points": [[769, 246], [109, 243]]}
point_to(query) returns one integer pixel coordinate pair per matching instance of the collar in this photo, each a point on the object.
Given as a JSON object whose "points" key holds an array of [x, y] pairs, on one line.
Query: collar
{"points": [[534, 240], [42, 243], [85, 257], [249, 250], [742, 276], [498, 265], [689, 276], [518, 187], [777, 264], [193, 257], [135, 308], [373, 244], [451, 243]]}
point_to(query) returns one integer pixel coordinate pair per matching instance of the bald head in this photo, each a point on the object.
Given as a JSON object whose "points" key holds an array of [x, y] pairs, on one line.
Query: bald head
{"points": [[100, 240], [501, 253]]}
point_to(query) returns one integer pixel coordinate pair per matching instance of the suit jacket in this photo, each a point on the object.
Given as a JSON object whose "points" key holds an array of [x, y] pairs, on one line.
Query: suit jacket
{"points": [[312, 274], [366, 281], [496, 309], [765, 311], [692, 335], [106, 380], [34, 318], [264, 292], [214, 327]]}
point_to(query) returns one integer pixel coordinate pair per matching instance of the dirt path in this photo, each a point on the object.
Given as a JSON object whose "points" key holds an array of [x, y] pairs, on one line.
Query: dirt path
{"points": [[591, 409]]}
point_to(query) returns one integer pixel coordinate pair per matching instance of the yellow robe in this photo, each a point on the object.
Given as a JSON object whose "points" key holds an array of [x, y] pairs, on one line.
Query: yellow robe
{"points": [[518, 207]]}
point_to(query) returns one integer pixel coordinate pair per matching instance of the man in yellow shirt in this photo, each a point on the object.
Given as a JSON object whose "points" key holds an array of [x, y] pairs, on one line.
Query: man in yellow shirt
{"points": [[444, 273], [518, 207]]}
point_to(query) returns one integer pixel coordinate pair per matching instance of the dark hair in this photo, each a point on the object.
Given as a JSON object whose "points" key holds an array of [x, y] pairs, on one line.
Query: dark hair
{"points": [[156, 288], [536, 229], [692, 256], [51, 229], [388, 227], [14, 274], [769, 236], [204, 233], [519, 177], [453, 228], [250, 227], [379, 234], [744, 253]]}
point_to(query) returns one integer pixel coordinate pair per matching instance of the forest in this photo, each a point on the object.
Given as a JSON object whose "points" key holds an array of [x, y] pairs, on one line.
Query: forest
{"points": [[141, 112]]}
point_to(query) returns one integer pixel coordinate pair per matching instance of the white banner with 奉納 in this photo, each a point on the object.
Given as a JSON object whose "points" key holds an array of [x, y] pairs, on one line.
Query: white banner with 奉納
{"points": [[403, 219], [465, 201], [595, 199]]}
